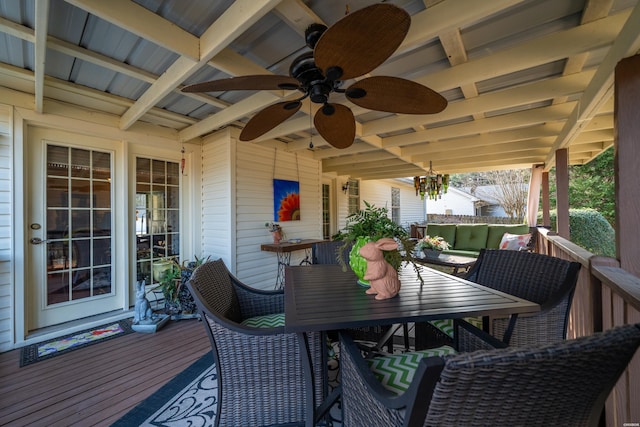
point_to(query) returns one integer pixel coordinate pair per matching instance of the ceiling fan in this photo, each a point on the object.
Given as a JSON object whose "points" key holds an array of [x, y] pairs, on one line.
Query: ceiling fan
{"points": [[350, 48]]}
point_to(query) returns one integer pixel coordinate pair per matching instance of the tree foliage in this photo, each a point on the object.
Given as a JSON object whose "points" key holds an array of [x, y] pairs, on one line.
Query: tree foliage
{"points": [[590, 186]]}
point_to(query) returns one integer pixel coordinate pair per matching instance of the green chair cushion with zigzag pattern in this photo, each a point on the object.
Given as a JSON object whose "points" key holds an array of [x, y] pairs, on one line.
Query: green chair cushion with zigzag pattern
{"points": [[446, 325], [266, 321], [395, 371]]}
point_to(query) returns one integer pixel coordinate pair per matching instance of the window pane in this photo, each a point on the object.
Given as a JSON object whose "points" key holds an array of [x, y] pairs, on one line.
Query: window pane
{"points": [[81, 190], [57, 160], [143, 170], [80, 223], [159, 176], [80, 163], [102, 194], [173, 197], [173, 174], [57, 192], [101, 165], [57, 223]]}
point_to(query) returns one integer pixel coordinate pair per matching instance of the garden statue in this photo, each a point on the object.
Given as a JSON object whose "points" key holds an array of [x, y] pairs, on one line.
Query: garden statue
{"points": [[142, 312]]}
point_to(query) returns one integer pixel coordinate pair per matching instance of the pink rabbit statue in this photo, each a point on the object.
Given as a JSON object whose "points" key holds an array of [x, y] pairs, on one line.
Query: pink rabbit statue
{"points": [[382, 277]]}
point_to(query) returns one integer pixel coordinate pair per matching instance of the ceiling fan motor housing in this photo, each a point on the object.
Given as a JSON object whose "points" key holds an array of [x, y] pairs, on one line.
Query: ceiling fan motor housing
{"points": [[312, 81]]}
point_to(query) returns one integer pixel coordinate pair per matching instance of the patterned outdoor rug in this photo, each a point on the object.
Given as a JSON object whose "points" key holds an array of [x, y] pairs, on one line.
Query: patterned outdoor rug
{"points": [[41, 351], [189, 400]]}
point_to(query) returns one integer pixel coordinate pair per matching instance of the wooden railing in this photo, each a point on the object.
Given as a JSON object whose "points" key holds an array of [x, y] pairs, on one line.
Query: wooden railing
{"points": [[606, 296]]}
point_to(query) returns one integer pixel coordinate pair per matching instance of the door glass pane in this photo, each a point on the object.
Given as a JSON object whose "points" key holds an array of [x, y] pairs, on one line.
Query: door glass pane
{"points": [[157, 216], [78, 225]]}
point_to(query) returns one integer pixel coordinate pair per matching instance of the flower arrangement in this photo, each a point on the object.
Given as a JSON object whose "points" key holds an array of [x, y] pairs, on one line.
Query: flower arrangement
{"points": [[276, 231], [273, 226], [436, 243]]}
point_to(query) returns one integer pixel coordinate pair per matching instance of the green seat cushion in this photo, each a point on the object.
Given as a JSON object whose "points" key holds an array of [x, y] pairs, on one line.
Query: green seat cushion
{"points": [[446, 231], [266, 321], [496, 231], [446, 325], [471, 237], [395, 372], [471, 254]]}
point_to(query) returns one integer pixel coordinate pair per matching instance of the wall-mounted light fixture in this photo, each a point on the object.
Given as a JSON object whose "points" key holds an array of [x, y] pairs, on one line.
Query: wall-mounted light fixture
{"points": [[345, 187]]}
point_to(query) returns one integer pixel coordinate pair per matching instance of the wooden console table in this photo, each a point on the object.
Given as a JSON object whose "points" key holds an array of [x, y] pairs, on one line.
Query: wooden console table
{"points": [[283, 251]]}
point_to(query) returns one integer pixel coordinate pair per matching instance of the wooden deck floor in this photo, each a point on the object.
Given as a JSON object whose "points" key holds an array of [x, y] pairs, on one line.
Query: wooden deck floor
{"points": [[96, 385]]}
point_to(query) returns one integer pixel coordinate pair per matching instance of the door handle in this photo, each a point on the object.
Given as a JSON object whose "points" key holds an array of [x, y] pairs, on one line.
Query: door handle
{"points": [[36, 241]]}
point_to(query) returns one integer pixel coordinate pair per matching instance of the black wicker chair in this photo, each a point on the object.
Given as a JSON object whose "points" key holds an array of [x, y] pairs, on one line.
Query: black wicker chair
{"points": [[546, 280], [260, 371], [562, 384]]}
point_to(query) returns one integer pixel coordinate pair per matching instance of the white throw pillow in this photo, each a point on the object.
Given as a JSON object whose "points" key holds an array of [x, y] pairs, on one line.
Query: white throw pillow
{"points": [[515, 242]]}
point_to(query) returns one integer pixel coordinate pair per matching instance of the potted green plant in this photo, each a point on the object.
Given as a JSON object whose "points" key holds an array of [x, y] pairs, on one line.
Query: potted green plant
{"points": [[178, 301], [372, 224]]}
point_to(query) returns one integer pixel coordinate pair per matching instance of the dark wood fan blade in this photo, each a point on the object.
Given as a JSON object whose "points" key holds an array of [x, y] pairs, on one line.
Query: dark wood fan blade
{"points": [[268, 118], [395, 95], [255, 82], [337, 128], [362, 40]]}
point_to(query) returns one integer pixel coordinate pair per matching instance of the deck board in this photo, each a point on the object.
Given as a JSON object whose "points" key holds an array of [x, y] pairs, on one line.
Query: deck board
{"points": [[96, 385]]}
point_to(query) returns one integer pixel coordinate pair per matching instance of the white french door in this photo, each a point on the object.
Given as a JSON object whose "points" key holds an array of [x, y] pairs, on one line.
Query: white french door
{"points": [[71, 233]]}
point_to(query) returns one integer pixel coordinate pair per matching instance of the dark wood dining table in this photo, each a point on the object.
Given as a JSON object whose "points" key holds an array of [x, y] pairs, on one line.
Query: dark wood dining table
{"points": [[324, 298]]}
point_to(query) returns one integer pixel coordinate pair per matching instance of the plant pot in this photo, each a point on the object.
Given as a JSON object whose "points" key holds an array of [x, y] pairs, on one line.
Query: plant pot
{"points": [[357, 263], [431, 253], [277, 236], [160, 268]]}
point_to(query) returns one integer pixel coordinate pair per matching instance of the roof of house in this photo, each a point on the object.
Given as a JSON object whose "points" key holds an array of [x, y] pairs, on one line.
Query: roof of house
{"points": [[523, 78]]}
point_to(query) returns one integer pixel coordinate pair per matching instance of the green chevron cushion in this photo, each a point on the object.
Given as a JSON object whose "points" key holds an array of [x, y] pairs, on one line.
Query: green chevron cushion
{"points": [[396, 371], [446, 325], [266, 321]]}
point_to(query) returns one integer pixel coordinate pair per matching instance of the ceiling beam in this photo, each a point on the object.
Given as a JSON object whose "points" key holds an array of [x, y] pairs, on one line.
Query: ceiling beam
{"points": [[600, 89], [233, 22], [538, 51], [502, 122], [144, 23]]}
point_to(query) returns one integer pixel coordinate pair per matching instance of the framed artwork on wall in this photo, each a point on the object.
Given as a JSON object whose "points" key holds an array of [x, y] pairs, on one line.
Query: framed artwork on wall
{"points": [[286, 200]]}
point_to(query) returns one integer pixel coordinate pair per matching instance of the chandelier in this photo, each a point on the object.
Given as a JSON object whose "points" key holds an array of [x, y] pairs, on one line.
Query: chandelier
{"points": [[432, 185]]}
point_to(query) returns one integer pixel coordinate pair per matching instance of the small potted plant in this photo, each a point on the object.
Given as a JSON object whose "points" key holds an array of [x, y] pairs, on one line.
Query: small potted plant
{"points": [[276, 231], [432, 246], [371, 224], [178, 301]]}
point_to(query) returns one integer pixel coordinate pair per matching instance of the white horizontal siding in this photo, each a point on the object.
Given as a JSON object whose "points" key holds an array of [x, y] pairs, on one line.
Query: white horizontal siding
{"points": [[6, 186], [216, 199], [256, 167]]}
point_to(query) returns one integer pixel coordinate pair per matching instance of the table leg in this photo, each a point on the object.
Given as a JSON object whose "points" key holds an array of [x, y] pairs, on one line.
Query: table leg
{"points": [[316, 414], [284, 258]]}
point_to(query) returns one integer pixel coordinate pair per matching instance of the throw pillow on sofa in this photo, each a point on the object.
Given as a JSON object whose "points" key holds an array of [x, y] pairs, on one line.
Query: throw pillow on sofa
{"points": [[515, 242]]}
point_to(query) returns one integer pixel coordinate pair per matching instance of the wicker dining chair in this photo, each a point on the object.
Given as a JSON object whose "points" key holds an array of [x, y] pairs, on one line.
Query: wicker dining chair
{"points": [[561, 384], [543, 279], [259, 366]]}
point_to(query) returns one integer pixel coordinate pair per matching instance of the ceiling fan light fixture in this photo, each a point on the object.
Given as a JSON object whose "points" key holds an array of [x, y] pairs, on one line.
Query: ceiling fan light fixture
{"points": [[312, 34], [334, 73], [328, 109]]}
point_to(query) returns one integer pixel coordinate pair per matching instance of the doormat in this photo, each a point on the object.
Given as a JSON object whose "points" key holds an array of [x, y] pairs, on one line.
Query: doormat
{"points": [[46, 350]]}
